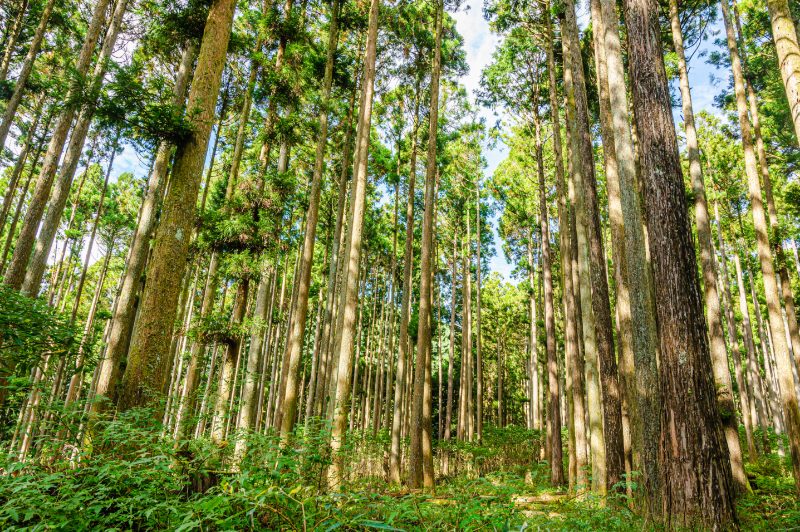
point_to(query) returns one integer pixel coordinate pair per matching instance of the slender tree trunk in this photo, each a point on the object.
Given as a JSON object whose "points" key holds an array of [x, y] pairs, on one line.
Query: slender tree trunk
{"points": [[450, 367], [405, 308], [698, 488], [353, 250], [145, 371], [16, 270], [49, 227], [297, 330], [420, 455], [230, 363], [27, 67], [553, 398], [12, 40], [783, 356], [20, 164], [604, 329], [594, 405], [744, 396]]}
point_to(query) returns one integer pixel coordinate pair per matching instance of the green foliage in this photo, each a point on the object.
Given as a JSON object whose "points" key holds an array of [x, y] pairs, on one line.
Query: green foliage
{"points": [[31, 331]]}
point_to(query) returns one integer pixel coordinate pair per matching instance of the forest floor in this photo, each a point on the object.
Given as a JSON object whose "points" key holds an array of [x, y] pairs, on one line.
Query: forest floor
{"points": [[130, 480]]}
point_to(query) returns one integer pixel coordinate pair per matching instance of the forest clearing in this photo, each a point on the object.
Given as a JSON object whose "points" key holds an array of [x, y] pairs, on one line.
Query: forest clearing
{"points": [[385, 265]]}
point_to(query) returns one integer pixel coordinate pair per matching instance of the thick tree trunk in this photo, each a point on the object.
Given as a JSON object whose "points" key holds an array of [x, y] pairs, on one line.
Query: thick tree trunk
{"points": [[719, 353], [785, 36], [125, 310], [697, 485], [150, 343]]}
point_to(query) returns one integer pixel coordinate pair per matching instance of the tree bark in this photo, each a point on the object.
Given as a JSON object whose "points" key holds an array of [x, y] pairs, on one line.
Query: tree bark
{"points": [[696, 477], [719, 353], [420, 457], [353, 250], [744, 396], [594, 405], [783, 356], [19, 261], [150, 343], [125, 309], [405, 308], [60, 193], [297, 330]]}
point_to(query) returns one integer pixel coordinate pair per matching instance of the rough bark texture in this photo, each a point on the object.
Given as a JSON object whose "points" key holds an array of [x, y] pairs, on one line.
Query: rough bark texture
{"points": [[719, 353], [571, 331], [696, 477], [151, 340], [124, 309], [786, 46], [601, 305]]}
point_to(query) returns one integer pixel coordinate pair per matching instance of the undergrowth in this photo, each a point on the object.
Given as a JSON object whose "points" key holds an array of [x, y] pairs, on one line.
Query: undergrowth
{"points": [[131, 480]]}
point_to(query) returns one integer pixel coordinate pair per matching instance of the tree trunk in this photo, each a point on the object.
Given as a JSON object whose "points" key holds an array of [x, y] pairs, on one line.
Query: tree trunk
{"points": [[230, 363], [719, 353], [124, 312], [421, 438], [601, 306], [744, 396], [20, 164], [16, 270], [353, 250], [594, 406], [60, 193], [785, 36], [696, 477], [570, 327], [12, 40], [27, 67], [785, 378], [297, 330], [145, 370], [395, 453]]}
